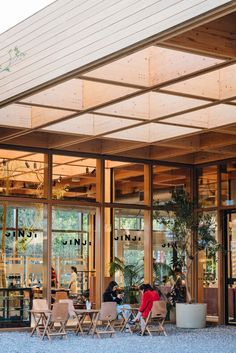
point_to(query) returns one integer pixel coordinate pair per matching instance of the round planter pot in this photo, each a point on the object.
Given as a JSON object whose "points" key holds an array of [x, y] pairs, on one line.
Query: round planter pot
{"points": [[190, 315]]}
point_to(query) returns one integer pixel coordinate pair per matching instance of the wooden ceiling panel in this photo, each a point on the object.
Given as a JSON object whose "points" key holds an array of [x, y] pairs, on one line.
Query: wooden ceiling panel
{"points": [[216, 38], [152, 132], [219, 84], [90, 124]]}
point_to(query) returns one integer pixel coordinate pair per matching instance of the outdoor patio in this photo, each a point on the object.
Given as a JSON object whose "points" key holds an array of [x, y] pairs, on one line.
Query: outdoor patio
{"points": [[212, 339]]}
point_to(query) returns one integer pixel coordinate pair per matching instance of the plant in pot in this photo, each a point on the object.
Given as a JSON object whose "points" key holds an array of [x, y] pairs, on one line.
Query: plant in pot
{"points": [[191, 234]]}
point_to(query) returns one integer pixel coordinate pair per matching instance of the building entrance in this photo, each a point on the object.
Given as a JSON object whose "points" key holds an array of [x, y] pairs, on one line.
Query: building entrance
{"points": [[230, 268]]}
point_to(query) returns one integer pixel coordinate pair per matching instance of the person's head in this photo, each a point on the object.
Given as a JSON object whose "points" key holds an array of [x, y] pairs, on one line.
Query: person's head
{"points": [[145, 287], [112, 286], [149, 287], [73, 269]]}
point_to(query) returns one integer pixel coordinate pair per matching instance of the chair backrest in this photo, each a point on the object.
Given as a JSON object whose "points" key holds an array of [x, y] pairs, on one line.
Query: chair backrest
{"points": [[61, 295], [40, 304], [158, 309], [108, 311], [71, 308], [60, 312]]}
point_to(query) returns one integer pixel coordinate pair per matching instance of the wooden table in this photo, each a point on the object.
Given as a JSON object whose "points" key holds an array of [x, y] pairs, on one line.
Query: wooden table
{"points": [[131, 311], [81, 315], [40, 318]]}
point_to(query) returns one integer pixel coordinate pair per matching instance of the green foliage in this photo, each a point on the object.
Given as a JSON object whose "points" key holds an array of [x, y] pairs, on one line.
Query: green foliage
{"points": [[15, 55], [133, 277], [183, 222], [161, 271]]}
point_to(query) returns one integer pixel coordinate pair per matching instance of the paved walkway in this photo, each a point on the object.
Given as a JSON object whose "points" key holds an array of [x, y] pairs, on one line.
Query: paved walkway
{"points": [[210, 340]]}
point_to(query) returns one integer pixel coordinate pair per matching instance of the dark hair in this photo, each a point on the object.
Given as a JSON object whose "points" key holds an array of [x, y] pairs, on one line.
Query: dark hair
{"points": [[145, 287], [74, 269], [110, 286]]}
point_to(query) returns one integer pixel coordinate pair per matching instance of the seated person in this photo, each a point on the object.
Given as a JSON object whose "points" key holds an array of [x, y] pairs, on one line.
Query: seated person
{"points": [[149, 295], [111, 295]]}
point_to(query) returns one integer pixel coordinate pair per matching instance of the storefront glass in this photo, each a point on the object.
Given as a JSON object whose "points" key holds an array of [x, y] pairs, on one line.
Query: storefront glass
{"points": [[22, 174], [207, 186], [73, 237]]}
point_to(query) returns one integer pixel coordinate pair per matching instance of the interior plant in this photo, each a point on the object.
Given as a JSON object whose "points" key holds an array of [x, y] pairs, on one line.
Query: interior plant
{"points": [[190, 232], [133, 277]]}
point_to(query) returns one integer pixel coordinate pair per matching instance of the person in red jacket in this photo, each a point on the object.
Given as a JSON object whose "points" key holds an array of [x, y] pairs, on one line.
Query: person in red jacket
{"points": [[149, 295]]}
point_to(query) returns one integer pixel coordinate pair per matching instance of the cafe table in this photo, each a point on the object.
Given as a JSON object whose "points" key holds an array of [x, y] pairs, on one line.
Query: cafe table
{"points": [[40, 319], [81, 315], [128, 314]]}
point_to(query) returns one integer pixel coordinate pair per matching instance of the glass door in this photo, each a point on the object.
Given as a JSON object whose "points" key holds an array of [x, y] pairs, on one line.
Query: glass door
{"points": [[230, 242]]}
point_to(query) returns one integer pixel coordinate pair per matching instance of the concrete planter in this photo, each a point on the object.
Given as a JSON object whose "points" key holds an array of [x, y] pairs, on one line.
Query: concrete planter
{"points": [[190, 315]]}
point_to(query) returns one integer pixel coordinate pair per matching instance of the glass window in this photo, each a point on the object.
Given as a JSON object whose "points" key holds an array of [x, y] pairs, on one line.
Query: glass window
{"points": [[163, 252], [168, 178], [208, 277], [74, 178], [128, 182], [207, 186], [21, 235], [73, 245], [128, 251], [228, 184], [22, 173]]}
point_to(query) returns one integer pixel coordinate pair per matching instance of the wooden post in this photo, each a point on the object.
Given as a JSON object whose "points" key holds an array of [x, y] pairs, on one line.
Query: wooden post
{"points": [[148, 246], [99, 235]]}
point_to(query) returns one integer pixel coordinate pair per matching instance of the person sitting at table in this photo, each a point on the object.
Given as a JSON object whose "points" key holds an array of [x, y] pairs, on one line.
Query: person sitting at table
{"points": [[73, 280], [111, 295], [149, 295]]}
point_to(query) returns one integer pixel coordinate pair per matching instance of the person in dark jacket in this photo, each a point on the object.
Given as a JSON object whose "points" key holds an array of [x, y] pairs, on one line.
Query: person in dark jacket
{"points": [[111, 295]]}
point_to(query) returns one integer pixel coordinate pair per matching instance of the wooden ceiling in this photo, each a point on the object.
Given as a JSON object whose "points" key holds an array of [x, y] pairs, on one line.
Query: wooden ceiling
{"points": [[171, 101]]}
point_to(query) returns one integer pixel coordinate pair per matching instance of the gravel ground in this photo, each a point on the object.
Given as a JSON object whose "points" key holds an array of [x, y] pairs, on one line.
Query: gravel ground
{"points": [[210, 340]]}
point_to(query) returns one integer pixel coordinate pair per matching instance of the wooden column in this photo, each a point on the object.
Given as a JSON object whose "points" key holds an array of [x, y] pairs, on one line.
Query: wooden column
{"points": [[47, 231], [99, 235], [221, 255], [148, 248]]}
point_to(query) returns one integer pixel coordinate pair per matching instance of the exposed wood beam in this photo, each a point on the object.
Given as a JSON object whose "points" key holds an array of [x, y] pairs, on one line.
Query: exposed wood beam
{"points": [[120, 99], [216, 38]]}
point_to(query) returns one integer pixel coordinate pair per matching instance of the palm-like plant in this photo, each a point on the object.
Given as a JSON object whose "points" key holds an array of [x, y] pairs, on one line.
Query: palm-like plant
{"points": [[182, 222], [133, 277]]}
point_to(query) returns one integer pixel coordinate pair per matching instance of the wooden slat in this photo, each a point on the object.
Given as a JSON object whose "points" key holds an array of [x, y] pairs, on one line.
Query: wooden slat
{"points": [[123, 24]]}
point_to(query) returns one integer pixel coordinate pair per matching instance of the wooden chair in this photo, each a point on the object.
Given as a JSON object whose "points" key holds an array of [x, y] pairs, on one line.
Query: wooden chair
{"points": [[105, 317], [38, 320], [73, 315], [156, 319], [59, 316]]}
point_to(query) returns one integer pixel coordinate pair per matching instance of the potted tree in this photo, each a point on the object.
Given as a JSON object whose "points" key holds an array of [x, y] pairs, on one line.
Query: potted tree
{"points": [[191, 234]]}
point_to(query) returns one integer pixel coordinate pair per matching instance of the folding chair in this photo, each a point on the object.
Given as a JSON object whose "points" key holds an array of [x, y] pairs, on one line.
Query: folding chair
{"points": [[59, 316], [39, 319], [156, 316], [73, 315], [106, 315]]}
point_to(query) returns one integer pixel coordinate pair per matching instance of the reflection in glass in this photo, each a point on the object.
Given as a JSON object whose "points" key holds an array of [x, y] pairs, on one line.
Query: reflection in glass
{"points": [[128, 183], [21, 237], [207, 186], [168, 178], [74, 178], [22, 173], [228, 184], [163, 252], [208, 277], [128, 250], [72, 244]]}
